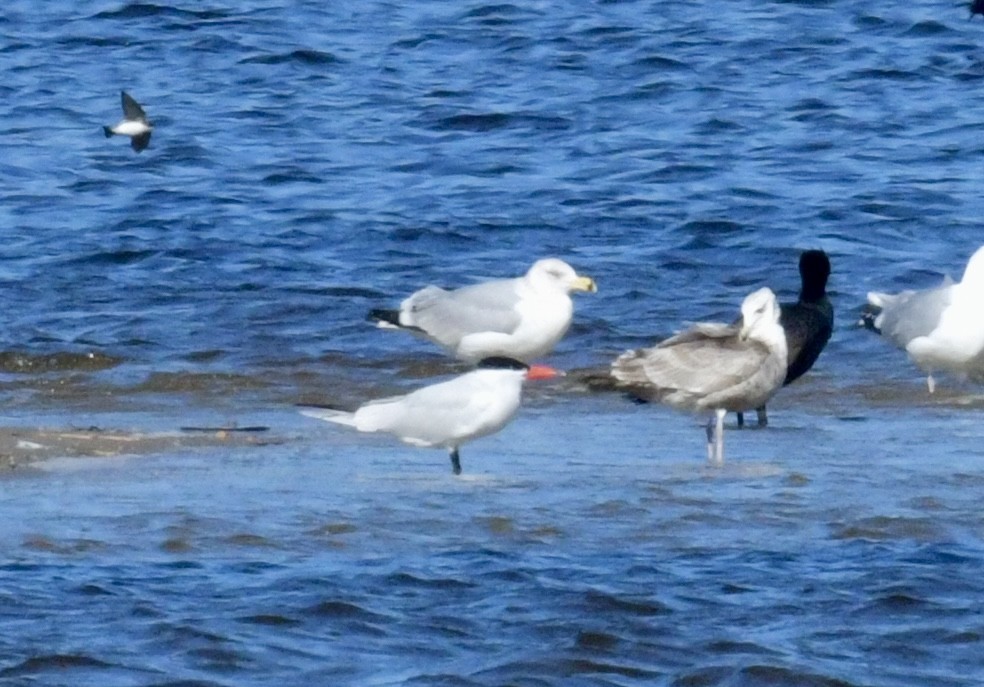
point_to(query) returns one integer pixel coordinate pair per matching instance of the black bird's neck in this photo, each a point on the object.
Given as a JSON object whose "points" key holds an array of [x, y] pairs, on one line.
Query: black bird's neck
{"points": [[813, 293]]}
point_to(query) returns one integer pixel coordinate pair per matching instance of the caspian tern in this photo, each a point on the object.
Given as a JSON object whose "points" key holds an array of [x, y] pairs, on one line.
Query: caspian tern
{"points": [[450, 413]]}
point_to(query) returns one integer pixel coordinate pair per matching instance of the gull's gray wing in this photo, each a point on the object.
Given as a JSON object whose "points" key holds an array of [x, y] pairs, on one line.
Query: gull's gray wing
{"points": [[911, 314], [450, 315]]}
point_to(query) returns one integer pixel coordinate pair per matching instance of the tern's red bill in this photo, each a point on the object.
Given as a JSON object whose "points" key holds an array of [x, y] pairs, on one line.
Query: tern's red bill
{"points": [[542, 372]]}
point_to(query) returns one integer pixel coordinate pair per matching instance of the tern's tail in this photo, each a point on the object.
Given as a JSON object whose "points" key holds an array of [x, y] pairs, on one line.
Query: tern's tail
{"points": [[340, 417], [108, 131]]}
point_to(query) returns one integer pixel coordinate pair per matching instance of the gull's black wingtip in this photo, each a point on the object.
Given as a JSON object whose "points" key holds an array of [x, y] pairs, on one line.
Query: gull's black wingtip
{"points": [[391, 317], [868, 318]]}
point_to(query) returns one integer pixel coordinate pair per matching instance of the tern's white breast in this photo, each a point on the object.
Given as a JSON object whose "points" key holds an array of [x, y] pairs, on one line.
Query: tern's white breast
{"points": [[130, 128]]}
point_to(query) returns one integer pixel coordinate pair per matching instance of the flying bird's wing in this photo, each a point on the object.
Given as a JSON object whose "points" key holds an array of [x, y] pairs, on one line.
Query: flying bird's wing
{"points": [[132, 109], [140, 142]]}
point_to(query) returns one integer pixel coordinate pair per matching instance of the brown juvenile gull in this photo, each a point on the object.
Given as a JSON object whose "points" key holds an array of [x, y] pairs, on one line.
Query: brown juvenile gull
{"points": [[521, 318], [134, 124], [808, 322], [942, 328], [713, 366]]}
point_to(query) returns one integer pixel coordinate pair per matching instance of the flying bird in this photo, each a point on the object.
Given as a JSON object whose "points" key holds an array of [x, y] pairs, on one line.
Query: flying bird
{"points": [[134, 124], [942, 328], [450, 413], [713, 367], [808, 323], [521, 318]]}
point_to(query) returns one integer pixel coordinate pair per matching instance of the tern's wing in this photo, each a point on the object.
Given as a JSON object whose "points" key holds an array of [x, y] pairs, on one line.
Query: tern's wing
{"points": [[140, 142], [131, 108]]}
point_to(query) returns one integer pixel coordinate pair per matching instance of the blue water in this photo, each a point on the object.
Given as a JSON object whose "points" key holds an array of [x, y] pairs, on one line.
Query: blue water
{"points": [[313, 160]]}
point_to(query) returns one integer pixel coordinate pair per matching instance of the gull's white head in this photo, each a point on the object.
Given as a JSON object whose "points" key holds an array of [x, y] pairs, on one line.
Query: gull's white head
{"points": [[959, 335], [760, 316], [557, 274], [974, 273]]}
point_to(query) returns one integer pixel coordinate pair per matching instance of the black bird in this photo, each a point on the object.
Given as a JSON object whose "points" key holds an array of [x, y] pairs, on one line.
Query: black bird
{"points": [[808, 322], [134, 124]]}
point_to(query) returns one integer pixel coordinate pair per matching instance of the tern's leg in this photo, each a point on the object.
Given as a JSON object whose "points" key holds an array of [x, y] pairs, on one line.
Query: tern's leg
{"points": [[741, 419], [711, 425], [455, 461], [763, 417], [718, 420]]}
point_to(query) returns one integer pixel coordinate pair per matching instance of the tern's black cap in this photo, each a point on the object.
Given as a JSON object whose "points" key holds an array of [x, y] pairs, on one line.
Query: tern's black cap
{"points": [[500, 362]]}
